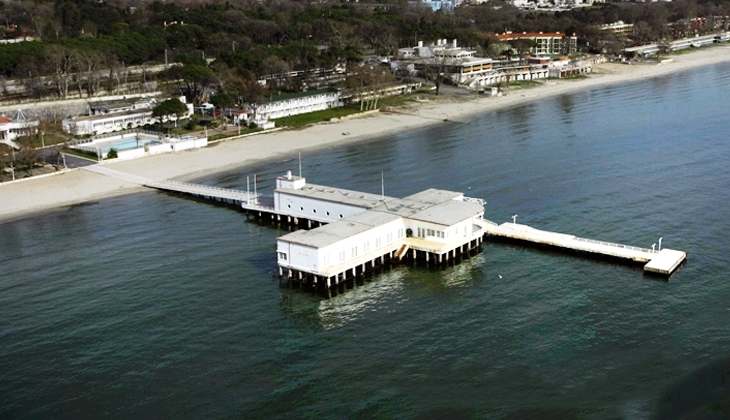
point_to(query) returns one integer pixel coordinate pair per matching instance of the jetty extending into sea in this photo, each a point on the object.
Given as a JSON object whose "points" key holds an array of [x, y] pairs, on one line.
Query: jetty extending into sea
{"points": [[348, 233]]}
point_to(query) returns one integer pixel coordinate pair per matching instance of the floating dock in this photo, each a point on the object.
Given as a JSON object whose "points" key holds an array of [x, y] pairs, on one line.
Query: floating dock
{"points": [[663, 261]]}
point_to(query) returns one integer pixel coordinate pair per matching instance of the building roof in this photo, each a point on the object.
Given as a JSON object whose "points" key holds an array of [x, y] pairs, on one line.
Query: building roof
{"points": [[434, 196], [296, 95], [114, 115], [449, 212], [339, 230], [337, 195], [508, 36]]}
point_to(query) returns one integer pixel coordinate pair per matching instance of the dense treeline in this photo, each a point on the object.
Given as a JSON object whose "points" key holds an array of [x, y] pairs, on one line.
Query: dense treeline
{"points": [[251, 38]]}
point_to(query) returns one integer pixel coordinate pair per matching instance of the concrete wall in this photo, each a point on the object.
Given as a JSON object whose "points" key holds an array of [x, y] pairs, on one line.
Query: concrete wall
{"points": [[312, 208]]}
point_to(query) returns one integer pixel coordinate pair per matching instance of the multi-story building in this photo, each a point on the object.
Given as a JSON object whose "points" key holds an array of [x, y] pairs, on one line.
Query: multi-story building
{"points": [[115, 117], [293, 104], [544, 43], [619, 28]]}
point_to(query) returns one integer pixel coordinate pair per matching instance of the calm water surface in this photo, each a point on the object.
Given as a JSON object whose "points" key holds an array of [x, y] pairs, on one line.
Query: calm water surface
{"points": [[159, 306]]}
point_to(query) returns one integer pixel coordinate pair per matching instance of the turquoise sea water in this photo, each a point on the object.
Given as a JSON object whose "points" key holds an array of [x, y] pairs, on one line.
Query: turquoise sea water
{"points": [[158, 306]]}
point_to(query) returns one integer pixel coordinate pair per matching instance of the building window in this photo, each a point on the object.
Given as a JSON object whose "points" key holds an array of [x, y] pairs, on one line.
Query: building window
{"points": [[314, 211], [340, 216], [288, 205], [301, 208], [282, 256], [328, 213]]}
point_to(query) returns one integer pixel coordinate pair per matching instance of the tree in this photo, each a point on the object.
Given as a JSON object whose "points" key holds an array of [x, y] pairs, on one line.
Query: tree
{"points": [[523, 47], [222, 100], [28, 155], [166, 109], [193, 79], [436, 68], [60, 63]]}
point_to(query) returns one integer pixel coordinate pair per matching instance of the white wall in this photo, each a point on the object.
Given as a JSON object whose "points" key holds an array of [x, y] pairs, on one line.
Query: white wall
{"points": [[299, 257], [378, 238], [305, 207]]}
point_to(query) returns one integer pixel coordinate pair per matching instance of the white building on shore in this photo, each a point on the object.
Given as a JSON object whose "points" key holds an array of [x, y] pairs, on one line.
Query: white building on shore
{"points": [[293, 104], [18, 125], [116, 117]]}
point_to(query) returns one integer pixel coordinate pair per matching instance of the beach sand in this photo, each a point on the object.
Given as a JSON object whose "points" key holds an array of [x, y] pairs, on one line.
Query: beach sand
{"points": [[32, 195]]}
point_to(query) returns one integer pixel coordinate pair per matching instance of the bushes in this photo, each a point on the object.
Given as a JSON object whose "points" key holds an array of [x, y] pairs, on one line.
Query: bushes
{"points": [[112, 154]]}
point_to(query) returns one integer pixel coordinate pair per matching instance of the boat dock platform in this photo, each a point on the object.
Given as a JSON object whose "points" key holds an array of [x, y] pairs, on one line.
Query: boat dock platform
{"points": [[659, 261]]}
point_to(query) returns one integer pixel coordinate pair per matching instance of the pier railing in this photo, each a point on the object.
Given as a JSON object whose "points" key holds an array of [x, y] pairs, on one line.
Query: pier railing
{"points": [[615, 245], [186, 187], [482, 202]]}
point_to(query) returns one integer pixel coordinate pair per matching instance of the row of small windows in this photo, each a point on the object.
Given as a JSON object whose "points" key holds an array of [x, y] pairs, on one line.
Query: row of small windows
{"points": [[301, 208], [423, 232]]}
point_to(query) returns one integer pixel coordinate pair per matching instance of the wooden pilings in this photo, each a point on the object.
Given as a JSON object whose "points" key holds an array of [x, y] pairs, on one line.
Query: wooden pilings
{"points": [[359, 271]]}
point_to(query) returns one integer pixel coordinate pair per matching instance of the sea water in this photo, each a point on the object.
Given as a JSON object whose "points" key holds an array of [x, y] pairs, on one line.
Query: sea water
{"points": [[155, 305]]}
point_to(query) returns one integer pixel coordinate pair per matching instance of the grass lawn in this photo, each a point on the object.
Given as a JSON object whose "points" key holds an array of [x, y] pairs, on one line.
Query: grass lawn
{"points": [[315, 117]]}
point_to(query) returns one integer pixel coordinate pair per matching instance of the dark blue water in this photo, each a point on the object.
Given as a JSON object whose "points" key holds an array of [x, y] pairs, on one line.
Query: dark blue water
{"points": [[158, 306]]}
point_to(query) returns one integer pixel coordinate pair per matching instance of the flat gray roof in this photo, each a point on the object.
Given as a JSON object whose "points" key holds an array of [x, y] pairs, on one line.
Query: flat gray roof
{"points": [[114, 115], [434, 196], [341, 229], [449, 212], [337, 195]]}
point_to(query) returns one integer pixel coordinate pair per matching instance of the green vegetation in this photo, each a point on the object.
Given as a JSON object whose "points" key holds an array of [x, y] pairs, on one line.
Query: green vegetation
{"points": [[315, 117], [226, 47], [525, 84], [112, 154], [80, 153]]}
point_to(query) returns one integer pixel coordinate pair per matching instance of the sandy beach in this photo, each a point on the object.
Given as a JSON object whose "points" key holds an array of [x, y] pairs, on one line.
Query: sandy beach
{"points": [[29, 196]]}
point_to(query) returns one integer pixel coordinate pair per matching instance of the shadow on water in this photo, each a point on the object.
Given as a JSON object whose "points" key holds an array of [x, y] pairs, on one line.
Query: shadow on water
{"points": [[702, 394], [554, 251], [333, 308]]}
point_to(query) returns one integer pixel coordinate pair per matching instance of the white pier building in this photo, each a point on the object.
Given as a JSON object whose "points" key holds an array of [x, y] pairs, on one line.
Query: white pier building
{"points": [[359, 231], [366, 230]]}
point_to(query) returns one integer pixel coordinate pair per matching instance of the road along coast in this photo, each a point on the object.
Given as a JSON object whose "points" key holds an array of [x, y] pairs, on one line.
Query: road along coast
{"points": [[30, 196]]}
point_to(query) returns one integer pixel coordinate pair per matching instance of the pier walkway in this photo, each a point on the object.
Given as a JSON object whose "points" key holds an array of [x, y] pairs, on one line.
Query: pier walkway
{"points": [[245, 199], [663, 261]]}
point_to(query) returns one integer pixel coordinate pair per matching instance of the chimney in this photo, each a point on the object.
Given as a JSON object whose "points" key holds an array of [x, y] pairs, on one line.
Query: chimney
{"points": [[288, 175], [420, 44], [454, 43]]}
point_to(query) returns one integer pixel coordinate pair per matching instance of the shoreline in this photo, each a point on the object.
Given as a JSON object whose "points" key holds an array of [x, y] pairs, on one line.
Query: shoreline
{"points": [[73, 187]]}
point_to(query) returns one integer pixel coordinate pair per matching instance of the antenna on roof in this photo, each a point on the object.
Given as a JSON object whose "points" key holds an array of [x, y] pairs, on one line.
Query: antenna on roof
{"points": [[300, 164], [382, 190]]}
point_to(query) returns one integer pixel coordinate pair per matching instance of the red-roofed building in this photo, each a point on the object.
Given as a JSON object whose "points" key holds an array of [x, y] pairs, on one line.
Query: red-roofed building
{"points": [[544, 43], [17, 125]]}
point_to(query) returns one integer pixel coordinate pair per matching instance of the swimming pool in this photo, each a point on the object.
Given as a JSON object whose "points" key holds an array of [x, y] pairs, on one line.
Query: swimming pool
{"points": [[126, 144]]}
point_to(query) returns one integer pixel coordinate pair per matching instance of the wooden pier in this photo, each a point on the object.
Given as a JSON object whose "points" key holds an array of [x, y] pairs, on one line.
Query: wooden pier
{"points": [[663, 261]]}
